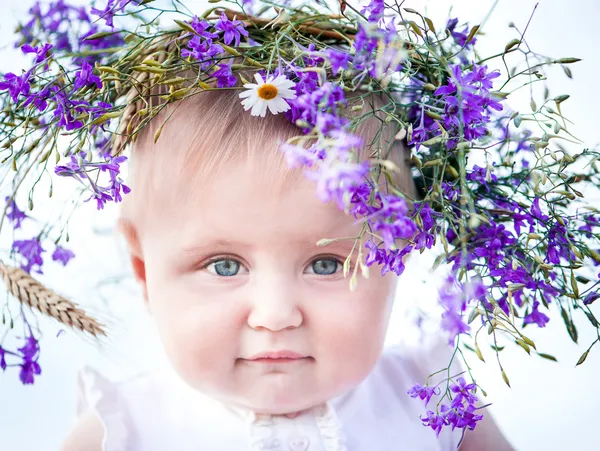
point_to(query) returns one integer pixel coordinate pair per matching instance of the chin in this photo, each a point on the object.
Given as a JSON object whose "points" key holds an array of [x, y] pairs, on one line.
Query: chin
{"points": [[280, 406]]}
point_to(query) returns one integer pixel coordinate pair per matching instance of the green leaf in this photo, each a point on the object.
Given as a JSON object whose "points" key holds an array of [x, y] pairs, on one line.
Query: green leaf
{"points": [[592, 318], [582, 358], [430, 25], [523, 345], [186, 26], [517, 121], [100, 35], [547, 356], [505, 377], [474, 30], [511, 44], [571, 329], [561, 98], [567, 60]]}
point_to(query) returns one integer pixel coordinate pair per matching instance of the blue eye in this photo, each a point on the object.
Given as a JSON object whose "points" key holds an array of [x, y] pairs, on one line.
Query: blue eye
{"points": [[325, 266], [225, 267]]}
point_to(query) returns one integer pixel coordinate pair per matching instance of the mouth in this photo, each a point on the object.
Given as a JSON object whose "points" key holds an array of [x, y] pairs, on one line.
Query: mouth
{"points": [[277, 361], [278, 357]]}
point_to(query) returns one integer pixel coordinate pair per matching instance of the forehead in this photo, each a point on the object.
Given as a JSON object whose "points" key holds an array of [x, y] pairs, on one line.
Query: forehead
{"points": [[242, 202]]}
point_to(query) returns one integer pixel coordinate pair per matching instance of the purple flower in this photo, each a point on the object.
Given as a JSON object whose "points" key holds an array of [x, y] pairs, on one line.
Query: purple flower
{"points": [[200, 27], [62, 255], [41, 53], [339, 60], [434, 421], [39, 99], [16, 85], [31, 250], [85, 77], [467, 100], [334, 177], [78, 168], [2, 358], [374, 10], [536, 211], [320, 106], [231, 29], [112, 8], [460, 37], [391, 220], [536, 316], [224, 76], [29, 367], [591, 297], [298, 156], [463, 391], [454, 297], [14, 214], [423, 392], [202, 50]]}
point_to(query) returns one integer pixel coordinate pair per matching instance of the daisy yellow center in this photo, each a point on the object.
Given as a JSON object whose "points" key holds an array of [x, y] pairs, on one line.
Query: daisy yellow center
{"points": [[267, 91]]}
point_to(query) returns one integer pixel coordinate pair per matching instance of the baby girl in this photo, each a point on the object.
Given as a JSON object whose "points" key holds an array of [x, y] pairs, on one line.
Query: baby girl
{"points": [[269, 348]]}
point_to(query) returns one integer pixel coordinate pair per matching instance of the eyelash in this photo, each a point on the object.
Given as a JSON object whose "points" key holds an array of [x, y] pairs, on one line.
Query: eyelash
{"points": [[231, 257]]}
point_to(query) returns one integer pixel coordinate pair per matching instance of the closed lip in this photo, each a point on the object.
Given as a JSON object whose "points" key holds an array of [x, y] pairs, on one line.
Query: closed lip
{"points": [[285, 354]]}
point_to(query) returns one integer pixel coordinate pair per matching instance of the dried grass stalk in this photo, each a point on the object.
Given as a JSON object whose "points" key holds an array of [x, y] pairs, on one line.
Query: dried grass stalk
{"points": [[32, 293]]}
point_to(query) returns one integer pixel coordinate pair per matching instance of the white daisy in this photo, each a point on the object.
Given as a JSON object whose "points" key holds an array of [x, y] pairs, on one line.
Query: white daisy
{"points": [[270, 93]]}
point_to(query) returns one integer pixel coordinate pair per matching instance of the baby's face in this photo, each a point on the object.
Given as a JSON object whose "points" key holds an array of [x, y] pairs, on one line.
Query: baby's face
{"points": [[233, 271]]}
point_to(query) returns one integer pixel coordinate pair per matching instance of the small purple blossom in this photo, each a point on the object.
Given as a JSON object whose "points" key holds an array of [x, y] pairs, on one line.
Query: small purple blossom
{"points": [[224, 76], [14, 215], [30, 366], [62, 255], [232, 29], [41, 53], [338, 59], [2, 359], [423, 392], [80, 166], [455, 297], [374, 10], [112, 8], [536, 316], [16, 84], [467, 101], [85, 76], [31, 250], [460, 36]]}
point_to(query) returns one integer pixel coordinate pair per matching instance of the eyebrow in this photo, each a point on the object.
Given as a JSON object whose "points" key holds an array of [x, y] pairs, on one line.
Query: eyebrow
{"points": [[210, 244], [213, 243]]}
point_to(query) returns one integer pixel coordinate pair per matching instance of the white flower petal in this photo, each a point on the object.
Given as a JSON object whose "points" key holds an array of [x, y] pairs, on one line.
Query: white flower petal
{"points": [[258, 105], [244, 94], [259, 79], [263, 109]]}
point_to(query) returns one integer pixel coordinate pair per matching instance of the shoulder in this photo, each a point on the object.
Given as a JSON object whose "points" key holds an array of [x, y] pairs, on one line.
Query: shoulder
{"points": [[86, 435], [103, 411]]}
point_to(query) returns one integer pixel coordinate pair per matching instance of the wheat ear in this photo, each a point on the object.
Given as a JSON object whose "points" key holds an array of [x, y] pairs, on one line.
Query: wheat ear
{"points": [[32, 293]]}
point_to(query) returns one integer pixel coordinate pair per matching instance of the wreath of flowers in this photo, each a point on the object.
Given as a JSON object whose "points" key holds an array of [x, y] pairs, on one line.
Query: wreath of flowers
{"points": [[502, 204]]}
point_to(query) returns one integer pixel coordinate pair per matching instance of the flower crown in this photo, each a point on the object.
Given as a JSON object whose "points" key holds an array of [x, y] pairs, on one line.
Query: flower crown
{"points": [[502, 205]]}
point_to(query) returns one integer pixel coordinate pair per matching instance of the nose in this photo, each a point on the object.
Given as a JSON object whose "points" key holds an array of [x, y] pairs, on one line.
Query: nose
{"points": [[274, 305]]}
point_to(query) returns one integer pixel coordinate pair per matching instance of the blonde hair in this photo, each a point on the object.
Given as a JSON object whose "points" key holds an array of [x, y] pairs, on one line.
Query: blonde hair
{"points": [[210, 129]]}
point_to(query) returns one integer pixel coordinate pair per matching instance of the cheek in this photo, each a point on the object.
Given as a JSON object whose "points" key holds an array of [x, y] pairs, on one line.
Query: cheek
{"points": [[354, 325], [200, 335]]}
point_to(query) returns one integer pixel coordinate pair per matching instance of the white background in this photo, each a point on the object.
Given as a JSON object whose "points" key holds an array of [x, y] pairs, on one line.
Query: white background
{"points": [[550, 406]]}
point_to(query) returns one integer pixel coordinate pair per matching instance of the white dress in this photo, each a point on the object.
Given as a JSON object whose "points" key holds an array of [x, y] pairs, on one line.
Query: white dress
{"points": [[156, 411]]}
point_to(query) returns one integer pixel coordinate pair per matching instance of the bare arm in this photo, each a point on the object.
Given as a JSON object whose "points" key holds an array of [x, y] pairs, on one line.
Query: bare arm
{"points": [[486, 435], [86, 435]]}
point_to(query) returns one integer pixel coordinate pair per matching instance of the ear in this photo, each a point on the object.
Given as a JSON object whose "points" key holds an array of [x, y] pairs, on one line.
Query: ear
{"points": [[134, 249]]}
